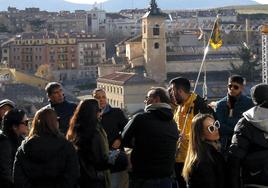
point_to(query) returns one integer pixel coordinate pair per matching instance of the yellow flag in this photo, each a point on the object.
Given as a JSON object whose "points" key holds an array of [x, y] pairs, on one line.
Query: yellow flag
{"points": [[216, 40]]}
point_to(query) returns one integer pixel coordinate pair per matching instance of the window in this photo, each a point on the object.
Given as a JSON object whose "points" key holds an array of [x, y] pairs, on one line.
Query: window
{"points": [[156, 45], [144, 29], [156, 30]]}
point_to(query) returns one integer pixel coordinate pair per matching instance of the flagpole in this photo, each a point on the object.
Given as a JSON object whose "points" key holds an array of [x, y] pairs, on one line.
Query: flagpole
{"points": [[205, 55]]}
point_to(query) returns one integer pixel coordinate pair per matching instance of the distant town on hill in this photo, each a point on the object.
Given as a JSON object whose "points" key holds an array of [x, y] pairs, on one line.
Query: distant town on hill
{"points": [[116, 5]]}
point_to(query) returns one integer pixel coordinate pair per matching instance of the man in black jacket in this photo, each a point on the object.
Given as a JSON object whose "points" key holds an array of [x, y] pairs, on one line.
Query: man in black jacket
{"points": [[153, 135], [113, 120], [249, 148], [63, 108]]}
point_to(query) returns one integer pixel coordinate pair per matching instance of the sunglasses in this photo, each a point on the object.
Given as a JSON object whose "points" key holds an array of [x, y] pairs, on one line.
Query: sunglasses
{"points": [[216, 125], [230, 86], [26, 122]]}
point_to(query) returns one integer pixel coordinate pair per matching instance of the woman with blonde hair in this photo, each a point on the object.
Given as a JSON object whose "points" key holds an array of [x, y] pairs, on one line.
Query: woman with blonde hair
{"points": [[46, 158], [204, 165]]}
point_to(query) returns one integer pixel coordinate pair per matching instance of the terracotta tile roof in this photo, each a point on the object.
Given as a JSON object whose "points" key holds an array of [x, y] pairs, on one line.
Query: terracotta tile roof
{"points": [[124, 78]]}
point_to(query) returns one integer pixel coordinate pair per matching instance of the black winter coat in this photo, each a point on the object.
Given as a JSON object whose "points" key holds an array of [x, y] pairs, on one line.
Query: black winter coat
{"points": [[46, 162], [113, 121], [6, 162], [209, 173], [153, 135], [93, 156], [64, 111], [249, 150]]}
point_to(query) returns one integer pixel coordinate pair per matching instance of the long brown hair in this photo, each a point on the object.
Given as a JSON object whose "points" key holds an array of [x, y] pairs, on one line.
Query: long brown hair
{"points": [[196, 150], [45, 122], [84, 121]]}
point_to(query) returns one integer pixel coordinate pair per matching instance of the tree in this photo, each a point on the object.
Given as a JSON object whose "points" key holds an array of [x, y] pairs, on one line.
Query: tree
{"points": [[250, 67]]}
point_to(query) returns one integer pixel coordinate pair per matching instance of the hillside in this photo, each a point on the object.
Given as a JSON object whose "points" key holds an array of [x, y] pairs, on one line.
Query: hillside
{"points": [[252, 9], [116, 5]]}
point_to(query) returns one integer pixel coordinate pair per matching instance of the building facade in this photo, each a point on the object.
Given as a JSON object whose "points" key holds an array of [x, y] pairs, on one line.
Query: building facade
{"points": [[69, 56]]}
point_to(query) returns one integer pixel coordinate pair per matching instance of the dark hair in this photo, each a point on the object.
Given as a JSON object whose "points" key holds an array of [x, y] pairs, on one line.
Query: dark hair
{"points": [[237, 79], [181, 83], [84, 122], [162, 93], [12, 118], [51, 86], [45, 122]]}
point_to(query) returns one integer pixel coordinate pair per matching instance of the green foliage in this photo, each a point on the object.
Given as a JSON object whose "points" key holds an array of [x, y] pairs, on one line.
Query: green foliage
{"points": [[250, 67], [37, 24]]}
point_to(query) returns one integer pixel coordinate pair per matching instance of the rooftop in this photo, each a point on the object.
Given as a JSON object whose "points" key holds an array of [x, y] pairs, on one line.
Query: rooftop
{"points": [[124, 78]]}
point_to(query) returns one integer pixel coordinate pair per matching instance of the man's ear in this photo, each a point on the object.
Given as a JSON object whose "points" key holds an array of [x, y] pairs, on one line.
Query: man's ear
{"points": [[157, 99]]}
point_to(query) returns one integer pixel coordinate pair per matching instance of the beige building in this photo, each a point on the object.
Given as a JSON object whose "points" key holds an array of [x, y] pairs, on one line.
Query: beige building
{"points": [[126, 90]]}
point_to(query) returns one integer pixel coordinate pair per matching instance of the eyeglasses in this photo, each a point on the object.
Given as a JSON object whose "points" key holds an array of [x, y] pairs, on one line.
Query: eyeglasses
{"points": [[26, 122], [216, 125], [230, 86]]}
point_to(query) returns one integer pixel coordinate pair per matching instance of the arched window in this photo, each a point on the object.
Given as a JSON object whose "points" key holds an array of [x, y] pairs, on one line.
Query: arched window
{"points": [[156, 45], [156, 30]]}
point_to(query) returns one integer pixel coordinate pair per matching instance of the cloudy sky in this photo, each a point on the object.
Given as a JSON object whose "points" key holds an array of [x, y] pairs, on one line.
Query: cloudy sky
{"points": [[99, 1]]}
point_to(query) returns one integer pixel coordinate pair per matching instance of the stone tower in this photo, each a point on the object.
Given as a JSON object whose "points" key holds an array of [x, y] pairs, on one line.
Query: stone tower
{"points": [[154, 43]]}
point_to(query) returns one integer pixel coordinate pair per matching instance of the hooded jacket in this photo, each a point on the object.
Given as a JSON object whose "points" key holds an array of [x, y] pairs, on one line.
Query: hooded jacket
{"points": [[46, 161], [153, 135], [249, 148]]}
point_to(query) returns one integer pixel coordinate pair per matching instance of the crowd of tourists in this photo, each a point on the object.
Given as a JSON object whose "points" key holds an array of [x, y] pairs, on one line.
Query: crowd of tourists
{"points": [[178, 141]]}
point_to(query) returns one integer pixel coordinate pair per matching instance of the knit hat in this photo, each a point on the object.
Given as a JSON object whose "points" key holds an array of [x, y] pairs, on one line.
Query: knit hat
{"points": [[259, 94], [7, 102]]}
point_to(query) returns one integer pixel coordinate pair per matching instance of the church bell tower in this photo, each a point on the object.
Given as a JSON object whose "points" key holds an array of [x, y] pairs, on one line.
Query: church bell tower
{"points": [[154, 43]]}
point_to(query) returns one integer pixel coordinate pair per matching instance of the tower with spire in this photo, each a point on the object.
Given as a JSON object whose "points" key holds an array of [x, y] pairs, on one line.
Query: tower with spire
{"points": [[154, 43]]}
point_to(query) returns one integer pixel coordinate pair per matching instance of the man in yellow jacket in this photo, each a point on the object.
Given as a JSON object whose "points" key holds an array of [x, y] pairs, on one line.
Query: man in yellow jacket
{"points": [[189, 104]]}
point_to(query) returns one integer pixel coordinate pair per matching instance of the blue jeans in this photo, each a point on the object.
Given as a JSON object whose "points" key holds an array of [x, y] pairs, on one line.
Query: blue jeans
{"points": [[150, 183]]}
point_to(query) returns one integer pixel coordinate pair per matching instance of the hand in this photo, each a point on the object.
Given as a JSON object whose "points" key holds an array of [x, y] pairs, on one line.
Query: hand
{"points": [[116, 144]]}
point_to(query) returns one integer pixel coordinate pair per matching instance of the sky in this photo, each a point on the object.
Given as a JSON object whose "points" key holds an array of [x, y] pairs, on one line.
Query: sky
{"points": [[100, 1], [262, 1], [86, 1]]}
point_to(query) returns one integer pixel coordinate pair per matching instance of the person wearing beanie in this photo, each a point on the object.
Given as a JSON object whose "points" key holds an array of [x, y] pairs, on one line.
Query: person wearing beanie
{"points": [[249, 147], [5, 105], [230, 108]]}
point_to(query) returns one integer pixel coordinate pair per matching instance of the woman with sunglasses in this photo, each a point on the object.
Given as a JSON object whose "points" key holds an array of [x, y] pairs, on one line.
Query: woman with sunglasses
{"points": [[14, 128], [45, 158], [91, 143], [204, 165]]}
